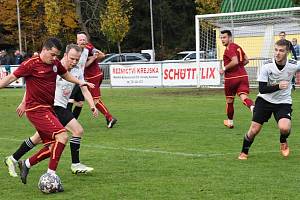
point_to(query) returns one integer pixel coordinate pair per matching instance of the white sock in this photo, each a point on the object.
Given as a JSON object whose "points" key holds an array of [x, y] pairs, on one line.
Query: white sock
{"points": [[230, 121], [50, 171], [27, 163], [13, 159]]}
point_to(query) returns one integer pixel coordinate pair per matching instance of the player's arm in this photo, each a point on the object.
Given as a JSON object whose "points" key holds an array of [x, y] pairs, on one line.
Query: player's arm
{"points": [[7, 80], [234, 61], [21, 108], [88, 97], [246, 60], [68, 77], [265, 88], [97, 55]]}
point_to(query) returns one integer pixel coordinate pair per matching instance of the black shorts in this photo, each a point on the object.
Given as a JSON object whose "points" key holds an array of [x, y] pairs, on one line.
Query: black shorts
{"points": [[77, 94], [63, 115], [263, 111]]}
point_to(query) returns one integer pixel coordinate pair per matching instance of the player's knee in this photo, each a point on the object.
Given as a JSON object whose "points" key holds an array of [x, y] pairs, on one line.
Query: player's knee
{"points": [[284, 129], [78, 132], [79, 104], [254, 129], [62, 137]]}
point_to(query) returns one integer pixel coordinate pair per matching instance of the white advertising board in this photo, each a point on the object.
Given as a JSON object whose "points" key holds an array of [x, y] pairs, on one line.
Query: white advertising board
{"points": [[135, 75], [3, 73]]}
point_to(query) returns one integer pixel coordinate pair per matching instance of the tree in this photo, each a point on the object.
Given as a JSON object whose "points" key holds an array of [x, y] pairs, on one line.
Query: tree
{"points": [[52, 17], [115, 20], [208, 6]]}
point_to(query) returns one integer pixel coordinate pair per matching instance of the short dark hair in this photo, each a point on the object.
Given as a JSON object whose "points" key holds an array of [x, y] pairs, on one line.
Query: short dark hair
{"points": [[52, 42], [284, 42], [73, 46], [227, 31], [282, 32]]}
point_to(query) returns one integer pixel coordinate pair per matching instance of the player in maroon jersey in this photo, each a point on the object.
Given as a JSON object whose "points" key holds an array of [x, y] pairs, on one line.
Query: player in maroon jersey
{"points": [[40, 76], [235, 76]]}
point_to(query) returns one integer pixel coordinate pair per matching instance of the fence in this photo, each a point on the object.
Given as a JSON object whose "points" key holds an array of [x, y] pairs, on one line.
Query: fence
{"points": [[164, 74]]}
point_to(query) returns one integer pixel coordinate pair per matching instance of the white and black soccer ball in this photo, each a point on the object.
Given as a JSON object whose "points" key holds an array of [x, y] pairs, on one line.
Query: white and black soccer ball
{"points": [[50, 183]]}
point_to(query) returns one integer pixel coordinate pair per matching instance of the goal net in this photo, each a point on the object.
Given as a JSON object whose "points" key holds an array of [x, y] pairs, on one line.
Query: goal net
{"points": [[255, 31]]}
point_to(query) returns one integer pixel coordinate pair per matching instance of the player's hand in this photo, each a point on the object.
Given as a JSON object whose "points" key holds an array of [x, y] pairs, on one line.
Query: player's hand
{"points": [[95, 112], [90, 85], [99, 55], [221, 71], [21, 109], [284, 84]]}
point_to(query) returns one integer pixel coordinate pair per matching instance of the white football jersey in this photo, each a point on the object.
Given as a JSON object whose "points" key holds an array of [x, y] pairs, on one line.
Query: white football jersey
{"points": [[64, 88], [272, 75]]}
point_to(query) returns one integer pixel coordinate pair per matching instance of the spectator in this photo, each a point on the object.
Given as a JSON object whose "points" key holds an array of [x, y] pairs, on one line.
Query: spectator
{"points": [[18, 58], [296, 47]]}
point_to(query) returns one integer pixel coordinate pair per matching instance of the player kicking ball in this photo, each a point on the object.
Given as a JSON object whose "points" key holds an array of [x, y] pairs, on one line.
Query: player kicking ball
{"points": [[274, 98], [62, 92]]}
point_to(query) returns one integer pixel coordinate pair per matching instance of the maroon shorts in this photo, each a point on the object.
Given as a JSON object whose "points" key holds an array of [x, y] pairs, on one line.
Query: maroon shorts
{"points": [[236, 86], [97, 80], [46, 123]]}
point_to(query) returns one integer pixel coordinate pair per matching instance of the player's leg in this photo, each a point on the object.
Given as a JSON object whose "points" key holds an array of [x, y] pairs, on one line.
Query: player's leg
{"points": [[12, 160], [77, 109], [230, 91], [77, 99], [99, 104], [283, 118], [51, 132], [77, 131], [261, 113], [243, 92]]}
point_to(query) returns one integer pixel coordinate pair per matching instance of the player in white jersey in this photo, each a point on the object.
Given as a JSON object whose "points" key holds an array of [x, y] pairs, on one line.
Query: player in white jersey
{"points": [[62, 94], [274, 98]]}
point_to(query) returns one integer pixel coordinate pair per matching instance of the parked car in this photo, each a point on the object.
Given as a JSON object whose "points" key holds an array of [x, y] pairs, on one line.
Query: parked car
{"points": [[187, 55], [124, 57]]}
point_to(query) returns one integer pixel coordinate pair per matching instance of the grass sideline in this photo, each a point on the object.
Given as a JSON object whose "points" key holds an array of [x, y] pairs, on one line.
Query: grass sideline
{"points": [[167, 144]]}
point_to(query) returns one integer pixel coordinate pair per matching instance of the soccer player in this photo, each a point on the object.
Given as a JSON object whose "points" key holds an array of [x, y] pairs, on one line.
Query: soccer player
{"points": [[62, 93], [40, 75], [93, 74], [236, 77], [274, 98]]}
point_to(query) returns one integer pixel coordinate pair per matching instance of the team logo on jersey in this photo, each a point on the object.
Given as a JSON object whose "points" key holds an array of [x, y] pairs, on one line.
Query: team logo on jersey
{"points": [[54, 68]]}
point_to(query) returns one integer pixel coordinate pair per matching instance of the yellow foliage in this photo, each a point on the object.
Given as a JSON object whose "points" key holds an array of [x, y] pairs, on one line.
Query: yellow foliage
{"points": [[52, 17]]}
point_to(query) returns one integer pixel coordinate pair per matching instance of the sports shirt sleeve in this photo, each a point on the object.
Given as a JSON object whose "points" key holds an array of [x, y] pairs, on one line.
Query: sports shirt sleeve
{"points": [[25, 69], [263, 75]]}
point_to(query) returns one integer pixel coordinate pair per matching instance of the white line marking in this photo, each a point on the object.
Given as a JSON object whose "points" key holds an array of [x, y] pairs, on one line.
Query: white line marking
{"points": [[199, 155]]}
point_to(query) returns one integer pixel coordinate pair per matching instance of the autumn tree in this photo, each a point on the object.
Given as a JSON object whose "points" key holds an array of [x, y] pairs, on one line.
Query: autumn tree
{"points": [[115, 20], [52, 17], [208, 6]]}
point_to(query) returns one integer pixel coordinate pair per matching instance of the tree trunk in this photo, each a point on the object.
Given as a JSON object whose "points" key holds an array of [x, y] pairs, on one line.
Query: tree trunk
{"points": [[80, 19]]}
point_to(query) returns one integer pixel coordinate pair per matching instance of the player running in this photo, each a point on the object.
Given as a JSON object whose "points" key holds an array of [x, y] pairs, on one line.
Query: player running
{"points": [[62, 93], [274, 98], [93, 73], [236, 77], [40, 75]]}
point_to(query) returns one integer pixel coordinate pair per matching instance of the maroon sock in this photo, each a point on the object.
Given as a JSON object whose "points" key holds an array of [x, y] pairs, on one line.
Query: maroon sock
{"points": [[229, 110], [102, 108], [39, 156], [248, 102], [56, 152]]}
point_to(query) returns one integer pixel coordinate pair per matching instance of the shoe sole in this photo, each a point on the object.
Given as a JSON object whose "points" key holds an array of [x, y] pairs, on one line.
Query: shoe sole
{"points": [[23, 179], [82, 172]]}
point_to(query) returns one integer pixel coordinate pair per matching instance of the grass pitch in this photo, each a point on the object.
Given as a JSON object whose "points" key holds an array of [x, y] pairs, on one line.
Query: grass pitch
{"points": [[167, 144]]}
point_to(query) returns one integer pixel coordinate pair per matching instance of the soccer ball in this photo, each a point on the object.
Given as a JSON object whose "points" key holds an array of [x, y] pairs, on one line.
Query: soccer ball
{"points": [[50, 183]]}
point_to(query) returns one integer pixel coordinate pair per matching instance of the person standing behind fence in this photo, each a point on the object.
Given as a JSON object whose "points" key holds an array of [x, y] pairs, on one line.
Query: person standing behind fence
{"points": [[235, 76], [291, 53], [18, 58]]}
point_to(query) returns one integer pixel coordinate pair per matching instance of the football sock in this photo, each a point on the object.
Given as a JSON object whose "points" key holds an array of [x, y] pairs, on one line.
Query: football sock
{"points": [[229, 110], [248, 102], [75, 146], [40, 155], [102, 108], [50, 171], [26, 146], [56, 152], [69, 106], [283, 137], [77, 111], [246, 144]]}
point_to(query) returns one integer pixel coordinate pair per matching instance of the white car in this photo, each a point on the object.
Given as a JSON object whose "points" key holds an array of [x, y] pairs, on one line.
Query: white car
{"points": [[187, 55], [124, 57]]}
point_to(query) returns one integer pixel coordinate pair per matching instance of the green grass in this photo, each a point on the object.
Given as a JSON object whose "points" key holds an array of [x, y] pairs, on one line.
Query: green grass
{"points": [[167, 144]]}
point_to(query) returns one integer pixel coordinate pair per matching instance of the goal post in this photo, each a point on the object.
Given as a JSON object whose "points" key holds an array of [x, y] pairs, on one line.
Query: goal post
{"points": [[255, 31]]}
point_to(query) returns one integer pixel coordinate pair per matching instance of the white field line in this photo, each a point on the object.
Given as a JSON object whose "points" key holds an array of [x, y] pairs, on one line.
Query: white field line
{"points": [[153, 151]]}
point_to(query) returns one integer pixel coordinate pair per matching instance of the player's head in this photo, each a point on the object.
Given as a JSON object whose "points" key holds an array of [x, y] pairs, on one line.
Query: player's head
{"points": [[282, 35], [82, 39], [282, 48], [72, 55], [294, 41], [51, 50], [226, 37]]}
